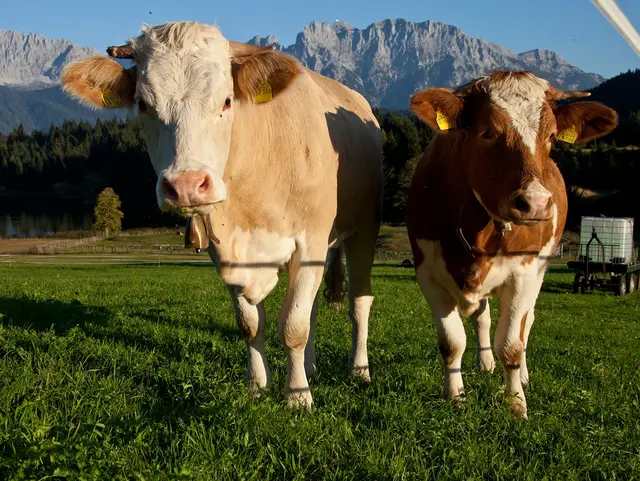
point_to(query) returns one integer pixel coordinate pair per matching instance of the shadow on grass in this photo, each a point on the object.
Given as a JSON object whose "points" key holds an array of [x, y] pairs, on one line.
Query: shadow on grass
{"points": [[41, 315]]}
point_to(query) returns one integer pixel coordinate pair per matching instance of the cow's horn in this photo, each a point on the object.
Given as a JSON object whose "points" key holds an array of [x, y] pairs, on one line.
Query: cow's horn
{"points": [[124, 51], [239, 49], [557, 94]]}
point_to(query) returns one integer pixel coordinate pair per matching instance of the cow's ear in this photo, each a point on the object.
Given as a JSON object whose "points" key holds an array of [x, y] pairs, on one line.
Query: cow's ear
{"points": [[438, 107], [262, 74], [100, 82], [584, 121]]}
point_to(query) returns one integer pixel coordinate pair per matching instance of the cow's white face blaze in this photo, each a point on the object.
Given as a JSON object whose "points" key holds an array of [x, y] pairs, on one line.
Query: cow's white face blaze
{"points": [[184, 92], [504, 125]]}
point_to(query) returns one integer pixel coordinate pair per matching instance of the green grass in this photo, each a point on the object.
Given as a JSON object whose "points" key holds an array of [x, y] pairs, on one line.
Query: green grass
{"points": [[112, 372], [165, 237], [393, 239]]}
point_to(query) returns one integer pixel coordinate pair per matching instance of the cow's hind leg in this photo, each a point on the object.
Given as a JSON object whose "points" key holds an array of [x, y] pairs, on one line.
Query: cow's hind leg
{"points": [[251, 320], [360, 252], [310, 366], [481, 319]]}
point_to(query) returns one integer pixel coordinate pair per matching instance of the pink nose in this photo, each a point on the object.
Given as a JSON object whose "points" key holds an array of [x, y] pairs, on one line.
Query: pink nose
{"points": [[533, 203], [189, 189]]}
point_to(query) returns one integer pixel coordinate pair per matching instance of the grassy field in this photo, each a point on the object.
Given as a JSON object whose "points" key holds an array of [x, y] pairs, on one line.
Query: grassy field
{"points": [[137, 372]]}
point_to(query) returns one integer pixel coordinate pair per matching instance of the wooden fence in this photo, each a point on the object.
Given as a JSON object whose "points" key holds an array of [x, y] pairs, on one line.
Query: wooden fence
{"points": [[56, 246]]}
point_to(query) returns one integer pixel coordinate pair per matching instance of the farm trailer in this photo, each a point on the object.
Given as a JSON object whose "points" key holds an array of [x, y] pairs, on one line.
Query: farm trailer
{"points": [[606, 256]]}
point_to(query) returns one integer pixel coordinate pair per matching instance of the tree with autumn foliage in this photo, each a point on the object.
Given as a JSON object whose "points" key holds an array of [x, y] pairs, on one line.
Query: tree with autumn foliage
{"points": [[107, 213]]}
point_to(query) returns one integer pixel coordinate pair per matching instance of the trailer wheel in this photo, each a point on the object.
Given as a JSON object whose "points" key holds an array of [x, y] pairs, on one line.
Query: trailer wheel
{"points": [[578, 283], [632, 282], [622, 285]]}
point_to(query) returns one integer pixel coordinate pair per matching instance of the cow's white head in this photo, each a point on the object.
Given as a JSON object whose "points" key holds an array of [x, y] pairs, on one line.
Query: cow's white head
{"points": [[185, 82]]}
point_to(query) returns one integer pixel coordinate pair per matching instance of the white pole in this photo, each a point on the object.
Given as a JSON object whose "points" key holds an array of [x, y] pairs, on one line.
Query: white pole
{"points": [[610, 10]]}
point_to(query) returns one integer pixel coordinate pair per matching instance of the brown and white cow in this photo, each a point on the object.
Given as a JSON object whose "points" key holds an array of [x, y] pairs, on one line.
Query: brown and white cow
{"points": [[486, 209], [286, 163]]}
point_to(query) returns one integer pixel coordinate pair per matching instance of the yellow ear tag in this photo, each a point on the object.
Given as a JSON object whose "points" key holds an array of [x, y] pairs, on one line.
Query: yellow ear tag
{"points": [[264, 93], [111, 100], [442, 120], [569, 135]]}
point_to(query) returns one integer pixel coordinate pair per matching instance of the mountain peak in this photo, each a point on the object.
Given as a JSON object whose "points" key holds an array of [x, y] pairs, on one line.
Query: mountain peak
{"points": [[387, 61], [33, 61]]}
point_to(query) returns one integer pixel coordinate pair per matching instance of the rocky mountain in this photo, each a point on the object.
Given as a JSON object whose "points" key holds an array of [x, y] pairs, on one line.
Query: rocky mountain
{"points": [[390, 60], [32, 61], [30, 69], [387, 62]]}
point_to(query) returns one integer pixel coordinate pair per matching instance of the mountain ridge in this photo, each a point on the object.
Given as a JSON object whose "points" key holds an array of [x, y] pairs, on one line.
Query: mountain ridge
{"points": [[391, 59], [387, 62]]}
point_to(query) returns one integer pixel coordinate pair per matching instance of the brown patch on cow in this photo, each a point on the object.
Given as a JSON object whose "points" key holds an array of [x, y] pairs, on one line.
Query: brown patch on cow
{"points": [[591, 119], [476, 274], [511, 354], [278, 69], [448, 352], [88, 78], [523, 324]]}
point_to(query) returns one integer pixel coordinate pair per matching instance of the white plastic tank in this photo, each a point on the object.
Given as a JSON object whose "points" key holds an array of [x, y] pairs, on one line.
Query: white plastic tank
{"points": [[616, 233]]}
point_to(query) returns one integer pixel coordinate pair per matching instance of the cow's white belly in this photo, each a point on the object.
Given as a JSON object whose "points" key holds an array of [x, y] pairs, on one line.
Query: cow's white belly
{"points": [[249, 261]]}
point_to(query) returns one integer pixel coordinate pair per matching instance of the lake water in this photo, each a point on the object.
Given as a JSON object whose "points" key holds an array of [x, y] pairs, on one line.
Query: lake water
{"points": [[46, 217]]}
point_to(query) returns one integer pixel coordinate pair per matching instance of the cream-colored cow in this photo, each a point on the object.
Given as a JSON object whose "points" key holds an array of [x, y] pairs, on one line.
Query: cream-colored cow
{"points": [[286, 163]]}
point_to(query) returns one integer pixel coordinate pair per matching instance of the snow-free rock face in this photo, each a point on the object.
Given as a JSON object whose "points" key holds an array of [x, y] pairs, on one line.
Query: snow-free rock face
{"points": [[387, 62], [30, 60], [390, 60]]}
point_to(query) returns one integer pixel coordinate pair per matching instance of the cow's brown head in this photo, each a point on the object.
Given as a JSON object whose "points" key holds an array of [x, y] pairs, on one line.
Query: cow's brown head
{"points": [[504, 125], [187, 82]]}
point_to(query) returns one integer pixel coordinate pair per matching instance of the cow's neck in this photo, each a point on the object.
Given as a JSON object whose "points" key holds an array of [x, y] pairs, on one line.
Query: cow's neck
{"points": [[476, 230]]}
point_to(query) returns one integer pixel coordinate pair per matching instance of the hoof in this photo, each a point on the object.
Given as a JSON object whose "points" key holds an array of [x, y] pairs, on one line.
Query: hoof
{"points": [[361, 373], [485, 362], [257, 387], [518, 408], [300, 400]]}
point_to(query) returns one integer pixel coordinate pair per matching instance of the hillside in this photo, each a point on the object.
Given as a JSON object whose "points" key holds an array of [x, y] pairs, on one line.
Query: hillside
{"points": [[38, 109], [621, 93]]}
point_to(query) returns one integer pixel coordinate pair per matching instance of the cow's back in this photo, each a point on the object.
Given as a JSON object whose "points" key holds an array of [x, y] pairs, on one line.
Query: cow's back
{"points": [[355, 135], [298, 148]]}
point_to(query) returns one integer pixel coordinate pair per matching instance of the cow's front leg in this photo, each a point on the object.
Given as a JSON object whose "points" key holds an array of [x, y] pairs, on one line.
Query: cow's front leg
{"points": [[251, 320], [294, 325], [526, 326], [452, 339], [517, 299]]}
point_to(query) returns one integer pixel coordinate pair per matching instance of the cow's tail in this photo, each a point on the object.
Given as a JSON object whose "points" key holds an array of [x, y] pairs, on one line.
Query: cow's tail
{"points": [[335, 285]]}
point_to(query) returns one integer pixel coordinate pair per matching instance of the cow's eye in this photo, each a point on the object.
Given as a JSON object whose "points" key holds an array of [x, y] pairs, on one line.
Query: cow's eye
{"points": [[142, 107], [488, 133], [227, 104]]}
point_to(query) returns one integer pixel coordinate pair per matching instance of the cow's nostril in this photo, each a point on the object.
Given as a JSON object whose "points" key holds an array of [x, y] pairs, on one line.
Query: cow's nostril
{"points": [[205, 186], [169, 191], [522, 204]]}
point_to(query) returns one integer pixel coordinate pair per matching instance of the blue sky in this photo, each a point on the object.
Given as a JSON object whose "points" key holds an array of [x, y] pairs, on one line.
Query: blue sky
{"points": [[573, 28]]}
